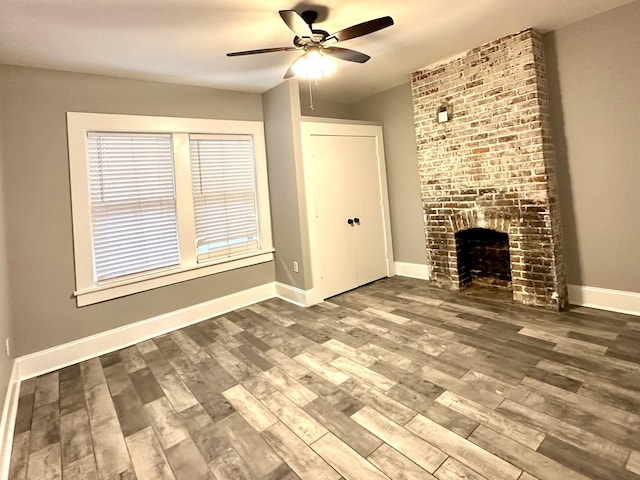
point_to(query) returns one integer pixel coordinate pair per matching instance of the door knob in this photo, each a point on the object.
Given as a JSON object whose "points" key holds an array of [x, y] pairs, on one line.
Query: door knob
{"points": [[356, 220], [350, 221]]}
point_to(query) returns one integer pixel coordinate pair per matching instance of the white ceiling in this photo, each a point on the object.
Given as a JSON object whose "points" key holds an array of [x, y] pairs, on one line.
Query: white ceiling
{"points": [[185, 41]]}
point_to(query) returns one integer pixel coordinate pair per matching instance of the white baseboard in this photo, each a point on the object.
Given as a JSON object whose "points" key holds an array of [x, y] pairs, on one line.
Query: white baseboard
{"points": [[413, 270], [8, 421], [605, 299], [602, 298], [302, 298], [61, 356]]}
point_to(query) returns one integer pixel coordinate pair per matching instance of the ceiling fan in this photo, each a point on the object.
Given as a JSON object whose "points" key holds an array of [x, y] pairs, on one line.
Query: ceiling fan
{"points": [[316, 44]]}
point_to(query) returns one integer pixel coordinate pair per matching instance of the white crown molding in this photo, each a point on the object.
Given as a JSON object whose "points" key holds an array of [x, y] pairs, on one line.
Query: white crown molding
{"points": [[605, 299]]}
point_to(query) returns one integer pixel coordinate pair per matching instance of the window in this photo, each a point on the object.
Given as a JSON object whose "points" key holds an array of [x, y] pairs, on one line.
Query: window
{"points": [[224, 201], [161, 200], [134, 222]]}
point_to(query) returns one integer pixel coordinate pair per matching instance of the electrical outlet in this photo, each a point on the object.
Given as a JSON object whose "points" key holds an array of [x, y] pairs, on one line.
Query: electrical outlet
{"points": [[295, 267], [8, 345]]}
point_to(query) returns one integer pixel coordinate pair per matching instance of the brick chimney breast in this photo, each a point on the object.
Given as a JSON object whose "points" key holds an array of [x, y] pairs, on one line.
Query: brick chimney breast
{"points": [[492, 164]]}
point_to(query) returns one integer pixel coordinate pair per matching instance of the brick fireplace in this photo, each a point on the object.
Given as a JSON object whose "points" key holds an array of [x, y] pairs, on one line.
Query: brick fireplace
{"points": [[489, 170]]}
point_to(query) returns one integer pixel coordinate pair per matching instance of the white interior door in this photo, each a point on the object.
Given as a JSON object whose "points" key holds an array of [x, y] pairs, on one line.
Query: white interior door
{"points": [[350, 229], [365, 202]]}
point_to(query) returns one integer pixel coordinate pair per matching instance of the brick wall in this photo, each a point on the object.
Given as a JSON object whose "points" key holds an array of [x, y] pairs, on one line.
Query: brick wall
{"points": [[492, 165]]}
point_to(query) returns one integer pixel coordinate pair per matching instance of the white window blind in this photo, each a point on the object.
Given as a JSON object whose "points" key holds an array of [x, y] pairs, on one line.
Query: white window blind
{"points": [[133, 208], [224, 195]]}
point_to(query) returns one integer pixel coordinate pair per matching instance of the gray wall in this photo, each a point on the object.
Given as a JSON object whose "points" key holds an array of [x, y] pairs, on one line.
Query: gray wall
{"points": [[281, 107], [321, 107], [37, 199], [5, 314], [594, 87], [393, 108]]}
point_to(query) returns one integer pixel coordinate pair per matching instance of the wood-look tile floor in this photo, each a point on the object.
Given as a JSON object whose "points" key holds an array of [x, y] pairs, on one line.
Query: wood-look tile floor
{"points": [[393, 380]]}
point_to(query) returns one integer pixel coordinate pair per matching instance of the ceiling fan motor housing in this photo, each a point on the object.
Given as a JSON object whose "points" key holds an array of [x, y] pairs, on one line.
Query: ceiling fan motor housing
{"points": [[309, 16], [318, 36]]}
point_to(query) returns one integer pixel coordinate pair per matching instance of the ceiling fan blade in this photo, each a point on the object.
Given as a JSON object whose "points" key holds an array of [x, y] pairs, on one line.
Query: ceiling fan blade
{"points": [[361, 29], [295, 23], [262, 50], [346, 54]]}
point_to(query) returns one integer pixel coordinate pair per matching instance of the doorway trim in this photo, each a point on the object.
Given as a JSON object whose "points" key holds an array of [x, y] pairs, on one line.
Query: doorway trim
{"points": [[328, 128]]}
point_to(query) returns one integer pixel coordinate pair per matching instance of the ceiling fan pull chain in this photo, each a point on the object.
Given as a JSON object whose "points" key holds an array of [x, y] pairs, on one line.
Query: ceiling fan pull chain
{"points": [[311, 94]]}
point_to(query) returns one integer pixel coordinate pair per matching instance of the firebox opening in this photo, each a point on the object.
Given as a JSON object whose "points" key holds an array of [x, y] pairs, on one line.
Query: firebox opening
{"points": [[483, 258]]}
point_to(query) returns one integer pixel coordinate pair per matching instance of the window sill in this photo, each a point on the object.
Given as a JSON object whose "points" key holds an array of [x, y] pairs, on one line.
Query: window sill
{"points": [[102, 293]]}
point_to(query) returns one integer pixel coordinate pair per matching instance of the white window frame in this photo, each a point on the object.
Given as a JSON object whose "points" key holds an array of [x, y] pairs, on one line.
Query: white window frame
{"points": [[79, 124]]}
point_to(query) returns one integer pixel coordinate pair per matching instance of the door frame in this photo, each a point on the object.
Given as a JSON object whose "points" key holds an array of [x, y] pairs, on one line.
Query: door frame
{"points": [[307, 130]]}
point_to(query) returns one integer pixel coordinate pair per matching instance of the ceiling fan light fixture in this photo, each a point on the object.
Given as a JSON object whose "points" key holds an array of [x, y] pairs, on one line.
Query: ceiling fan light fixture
{"points": [[313, 64]]}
